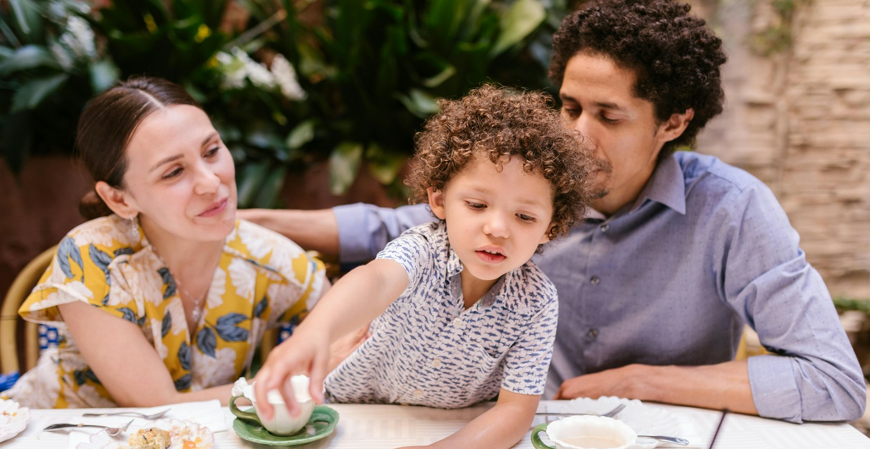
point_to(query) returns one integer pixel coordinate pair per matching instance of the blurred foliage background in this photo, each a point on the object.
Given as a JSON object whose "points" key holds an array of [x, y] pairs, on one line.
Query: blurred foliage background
{"points": [[287, 83]]}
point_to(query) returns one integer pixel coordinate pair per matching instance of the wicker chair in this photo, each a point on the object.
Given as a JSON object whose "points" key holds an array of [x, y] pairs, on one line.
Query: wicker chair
{"points": [[21, 287]]}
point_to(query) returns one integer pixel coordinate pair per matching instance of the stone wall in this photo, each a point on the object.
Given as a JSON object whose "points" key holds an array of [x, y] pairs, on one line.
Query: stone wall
{"points": [[799, 119]]}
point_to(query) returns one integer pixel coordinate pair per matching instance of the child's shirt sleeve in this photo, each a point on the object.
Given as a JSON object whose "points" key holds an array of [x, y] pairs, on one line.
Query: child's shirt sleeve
{"points": [[413, 250], [527, 363]]}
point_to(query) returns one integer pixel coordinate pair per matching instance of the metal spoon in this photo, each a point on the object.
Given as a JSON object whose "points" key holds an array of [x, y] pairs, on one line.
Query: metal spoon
{"points": [[675, 440]]}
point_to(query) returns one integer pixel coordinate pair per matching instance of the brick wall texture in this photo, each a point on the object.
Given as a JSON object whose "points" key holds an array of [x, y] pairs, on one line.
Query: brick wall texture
{"points": [[799, 119]]}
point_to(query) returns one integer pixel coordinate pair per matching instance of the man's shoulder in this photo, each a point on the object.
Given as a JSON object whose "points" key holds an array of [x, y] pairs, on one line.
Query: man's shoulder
{"points": [[709, 178], [710, 170]]}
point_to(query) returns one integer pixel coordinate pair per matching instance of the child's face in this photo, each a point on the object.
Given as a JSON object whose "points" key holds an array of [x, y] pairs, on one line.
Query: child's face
{"points": [[495, 219]]}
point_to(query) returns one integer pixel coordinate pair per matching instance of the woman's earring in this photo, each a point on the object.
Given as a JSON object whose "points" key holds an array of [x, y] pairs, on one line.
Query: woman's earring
{"points": [[134, 231]]}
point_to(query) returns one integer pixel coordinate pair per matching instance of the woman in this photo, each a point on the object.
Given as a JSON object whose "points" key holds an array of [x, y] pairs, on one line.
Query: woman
{"points": [[164, 298]]}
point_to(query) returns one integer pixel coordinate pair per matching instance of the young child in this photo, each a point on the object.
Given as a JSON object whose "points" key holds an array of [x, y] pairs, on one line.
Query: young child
{"points": [[461, 314]]}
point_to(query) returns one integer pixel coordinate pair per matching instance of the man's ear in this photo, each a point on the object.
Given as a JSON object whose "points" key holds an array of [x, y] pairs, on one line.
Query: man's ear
{"points": [[118, 200], [436, 202], [674, 127]]}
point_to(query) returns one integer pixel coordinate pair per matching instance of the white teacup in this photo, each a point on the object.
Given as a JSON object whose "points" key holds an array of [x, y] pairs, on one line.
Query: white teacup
{"points": [[586, 432], [281, 423]]}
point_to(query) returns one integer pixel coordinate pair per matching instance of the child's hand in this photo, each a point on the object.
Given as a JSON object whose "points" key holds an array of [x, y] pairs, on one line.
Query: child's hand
{"points": [[300, 354]]}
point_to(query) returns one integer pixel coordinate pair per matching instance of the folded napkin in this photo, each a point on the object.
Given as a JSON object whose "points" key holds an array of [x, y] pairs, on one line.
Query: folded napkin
{"points": [[207, 413]]}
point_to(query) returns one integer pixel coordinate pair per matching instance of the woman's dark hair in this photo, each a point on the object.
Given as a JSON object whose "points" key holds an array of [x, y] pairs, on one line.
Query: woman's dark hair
{"points": [[108, 122], [674, 55]]}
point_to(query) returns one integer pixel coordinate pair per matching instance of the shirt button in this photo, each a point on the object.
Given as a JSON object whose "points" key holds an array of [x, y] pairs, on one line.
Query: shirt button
{"points": [[605, 227], [594, 280], [593, 333], [418, 393], [436, 363], [457, 323]]}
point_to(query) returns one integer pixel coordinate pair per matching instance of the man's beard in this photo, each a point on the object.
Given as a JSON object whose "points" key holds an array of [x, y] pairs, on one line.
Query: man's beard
{"points": [[600, 191]]}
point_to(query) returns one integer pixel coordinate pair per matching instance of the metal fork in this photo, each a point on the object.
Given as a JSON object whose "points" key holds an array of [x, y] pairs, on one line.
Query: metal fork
{"points": [[137, 414], [609, 414], [112, 431]]}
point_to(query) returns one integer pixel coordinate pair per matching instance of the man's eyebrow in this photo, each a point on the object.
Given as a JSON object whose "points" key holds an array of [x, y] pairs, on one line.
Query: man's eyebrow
{"points": [[600, 104]]}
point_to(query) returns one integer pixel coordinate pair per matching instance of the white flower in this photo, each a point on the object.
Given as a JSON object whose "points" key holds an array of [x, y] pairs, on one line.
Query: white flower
{"points": [[60, 55], [209, 372], [259, 75], [179, 319], [244, 278], [79, 37], [233, 70], [285, 76], [217, 290], [161, 349]]}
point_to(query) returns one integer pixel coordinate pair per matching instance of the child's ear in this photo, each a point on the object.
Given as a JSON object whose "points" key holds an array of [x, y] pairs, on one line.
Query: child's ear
{"points": [[546, 237], [436, 202], [119, 201]]}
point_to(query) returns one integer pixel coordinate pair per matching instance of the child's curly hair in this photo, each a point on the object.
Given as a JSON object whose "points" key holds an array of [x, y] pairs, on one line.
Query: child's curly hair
{"points": [[499, 122]]}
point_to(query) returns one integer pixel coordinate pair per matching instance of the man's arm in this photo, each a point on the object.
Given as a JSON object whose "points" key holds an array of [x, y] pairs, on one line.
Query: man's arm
{"points": [[355, 233], [722, 386]]}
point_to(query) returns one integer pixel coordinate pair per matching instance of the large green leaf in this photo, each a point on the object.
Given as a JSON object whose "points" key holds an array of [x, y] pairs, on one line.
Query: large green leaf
{"points": [[300, 135], [31, 94], [27, 57], [270, 188], [103, 74], [343, 166], [383, 165], [518, 22], [252, 176], [418, 103]]}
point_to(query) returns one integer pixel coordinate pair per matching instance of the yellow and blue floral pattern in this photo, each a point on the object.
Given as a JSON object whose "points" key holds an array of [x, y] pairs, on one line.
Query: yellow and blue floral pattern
{"points": [[262, 279]]}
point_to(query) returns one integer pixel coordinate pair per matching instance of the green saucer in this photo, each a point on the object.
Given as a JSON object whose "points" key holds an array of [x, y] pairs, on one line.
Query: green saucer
{"points": [[323, 421]]}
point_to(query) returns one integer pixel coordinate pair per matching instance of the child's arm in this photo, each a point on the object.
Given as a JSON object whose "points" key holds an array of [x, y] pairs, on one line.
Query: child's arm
{"points": [[356, 299], [500, 427]]}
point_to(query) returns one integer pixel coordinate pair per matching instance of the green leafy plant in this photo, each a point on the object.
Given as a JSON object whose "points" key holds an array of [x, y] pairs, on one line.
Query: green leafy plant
{"points": [[50, 65], [288, 83]]}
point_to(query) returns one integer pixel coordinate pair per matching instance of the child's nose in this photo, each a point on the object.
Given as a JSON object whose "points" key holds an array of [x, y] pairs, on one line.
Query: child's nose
{"points": [[496, 226]]}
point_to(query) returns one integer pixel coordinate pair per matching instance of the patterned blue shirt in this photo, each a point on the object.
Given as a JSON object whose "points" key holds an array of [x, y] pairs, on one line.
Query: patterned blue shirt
{"points": [[672, 278], [427, 349]]}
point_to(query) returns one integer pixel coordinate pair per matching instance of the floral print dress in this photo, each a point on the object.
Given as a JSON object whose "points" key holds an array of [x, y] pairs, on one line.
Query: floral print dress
{"points": [[262, 279]]}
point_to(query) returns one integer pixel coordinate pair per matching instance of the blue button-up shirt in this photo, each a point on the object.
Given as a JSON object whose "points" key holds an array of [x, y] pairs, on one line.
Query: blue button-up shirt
{"points": [[672, 278]]}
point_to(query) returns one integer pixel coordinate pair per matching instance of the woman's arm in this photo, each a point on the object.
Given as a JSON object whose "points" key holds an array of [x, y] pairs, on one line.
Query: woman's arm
{"points": [[500, 427], [124, 362], [355, 300]]}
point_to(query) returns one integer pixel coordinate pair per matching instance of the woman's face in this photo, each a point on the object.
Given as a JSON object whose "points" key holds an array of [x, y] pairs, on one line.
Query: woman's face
{"points": [[180, 177]]}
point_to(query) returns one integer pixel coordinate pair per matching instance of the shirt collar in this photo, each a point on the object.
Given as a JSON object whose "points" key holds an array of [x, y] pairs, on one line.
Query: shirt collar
{"points": [[667, 186], [496, 294]]}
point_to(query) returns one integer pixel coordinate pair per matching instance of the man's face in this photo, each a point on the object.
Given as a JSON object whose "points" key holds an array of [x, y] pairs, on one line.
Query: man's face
{"points": [[598, 103]]}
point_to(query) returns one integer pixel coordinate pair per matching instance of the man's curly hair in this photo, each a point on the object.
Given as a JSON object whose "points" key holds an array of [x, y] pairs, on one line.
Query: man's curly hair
{"points": [[674, 55], [495, 122]]}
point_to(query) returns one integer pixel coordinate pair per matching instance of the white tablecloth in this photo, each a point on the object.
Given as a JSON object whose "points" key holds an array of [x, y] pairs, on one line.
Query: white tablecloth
{"points": [[383, 426]]}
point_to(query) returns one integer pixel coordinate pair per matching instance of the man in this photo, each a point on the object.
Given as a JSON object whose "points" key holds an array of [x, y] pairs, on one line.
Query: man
{"points": [[681, 250]]}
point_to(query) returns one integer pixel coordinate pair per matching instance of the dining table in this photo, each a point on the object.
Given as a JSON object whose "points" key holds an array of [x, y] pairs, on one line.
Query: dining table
{"points": [[363, 426]]}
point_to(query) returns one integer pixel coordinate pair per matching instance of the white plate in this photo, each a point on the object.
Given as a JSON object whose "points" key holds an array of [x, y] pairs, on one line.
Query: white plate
{"points": [[643, 419], [178, 430], [13, 418]]}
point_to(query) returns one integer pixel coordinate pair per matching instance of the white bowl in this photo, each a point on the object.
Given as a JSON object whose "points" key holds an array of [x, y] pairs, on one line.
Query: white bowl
{"points": [[583, 432]]}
